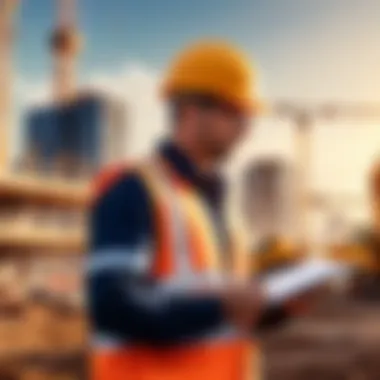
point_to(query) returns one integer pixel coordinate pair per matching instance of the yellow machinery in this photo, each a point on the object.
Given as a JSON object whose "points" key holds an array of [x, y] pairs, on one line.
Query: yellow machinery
{"points": [[363, 252], [274, 253]]}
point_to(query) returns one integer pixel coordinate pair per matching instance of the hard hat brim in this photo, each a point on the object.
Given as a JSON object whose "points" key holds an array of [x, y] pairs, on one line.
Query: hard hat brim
{"points": [[250, 106]]}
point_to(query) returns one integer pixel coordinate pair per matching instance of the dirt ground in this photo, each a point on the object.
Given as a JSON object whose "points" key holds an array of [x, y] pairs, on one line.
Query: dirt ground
{"points": [[339, 341]]}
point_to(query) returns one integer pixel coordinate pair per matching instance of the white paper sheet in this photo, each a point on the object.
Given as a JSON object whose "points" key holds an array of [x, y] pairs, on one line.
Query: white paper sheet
{"points": [[289, 283]]}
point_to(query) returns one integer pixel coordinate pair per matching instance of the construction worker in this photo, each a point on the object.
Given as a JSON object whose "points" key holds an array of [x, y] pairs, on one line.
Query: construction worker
{"points": [[167, 296]]}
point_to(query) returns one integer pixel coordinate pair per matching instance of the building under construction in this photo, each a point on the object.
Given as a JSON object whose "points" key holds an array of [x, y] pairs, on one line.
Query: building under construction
{"points": [[44, 197]]}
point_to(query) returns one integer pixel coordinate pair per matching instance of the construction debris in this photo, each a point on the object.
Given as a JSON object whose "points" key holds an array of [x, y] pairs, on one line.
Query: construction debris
{"points": [[341, 341]]}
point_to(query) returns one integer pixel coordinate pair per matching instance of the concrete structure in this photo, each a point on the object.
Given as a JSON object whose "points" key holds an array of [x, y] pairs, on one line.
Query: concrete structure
{"points": [[268, 196], [75, 138]]}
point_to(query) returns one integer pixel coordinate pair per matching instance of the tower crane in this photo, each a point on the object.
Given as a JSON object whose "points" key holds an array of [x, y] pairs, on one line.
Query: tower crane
{"points": [[65, 46], [304, 118], [7, 11]]}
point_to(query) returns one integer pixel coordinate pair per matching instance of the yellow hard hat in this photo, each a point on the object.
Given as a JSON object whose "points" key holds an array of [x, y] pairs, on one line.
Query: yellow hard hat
{"points": [[217, 69]]}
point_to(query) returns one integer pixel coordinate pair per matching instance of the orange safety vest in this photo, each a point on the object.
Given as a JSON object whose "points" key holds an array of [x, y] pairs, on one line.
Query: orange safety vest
{"points": [[187, 257]]}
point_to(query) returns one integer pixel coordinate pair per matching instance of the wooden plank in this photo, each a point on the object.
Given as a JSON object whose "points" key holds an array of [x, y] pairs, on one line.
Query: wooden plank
{"points": [[34, 238], [41, 190]]}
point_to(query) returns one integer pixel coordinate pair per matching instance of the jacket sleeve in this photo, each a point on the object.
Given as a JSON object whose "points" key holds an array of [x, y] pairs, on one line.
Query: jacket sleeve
{"points": [[124, 300]]}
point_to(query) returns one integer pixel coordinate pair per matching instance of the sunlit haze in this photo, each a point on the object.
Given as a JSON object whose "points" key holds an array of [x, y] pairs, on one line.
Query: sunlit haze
{"points": [[319, 51]]}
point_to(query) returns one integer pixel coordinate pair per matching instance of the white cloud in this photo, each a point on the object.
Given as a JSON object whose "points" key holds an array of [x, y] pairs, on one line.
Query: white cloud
{"points": [[30, 92], [137, 86]]}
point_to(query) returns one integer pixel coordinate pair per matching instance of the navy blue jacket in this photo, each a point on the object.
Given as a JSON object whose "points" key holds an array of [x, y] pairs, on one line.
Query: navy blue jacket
{"points": [[121, 230]]}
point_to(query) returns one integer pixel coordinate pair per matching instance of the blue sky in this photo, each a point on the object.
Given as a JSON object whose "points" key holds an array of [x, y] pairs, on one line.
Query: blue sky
{"points": [[314, 48]]}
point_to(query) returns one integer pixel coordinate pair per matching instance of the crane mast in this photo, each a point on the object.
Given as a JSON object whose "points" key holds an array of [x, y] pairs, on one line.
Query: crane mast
{"points": [[7, 11], [65, 46]]}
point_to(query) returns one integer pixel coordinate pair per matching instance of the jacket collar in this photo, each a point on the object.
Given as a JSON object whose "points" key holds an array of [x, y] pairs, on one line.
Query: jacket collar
{"points": [[212, 186]]}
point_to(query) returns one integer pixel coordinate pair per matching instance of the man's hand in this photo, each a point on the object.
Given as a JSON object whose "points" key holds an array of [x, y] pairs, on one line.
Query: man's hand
{"points": [[243, 304]]}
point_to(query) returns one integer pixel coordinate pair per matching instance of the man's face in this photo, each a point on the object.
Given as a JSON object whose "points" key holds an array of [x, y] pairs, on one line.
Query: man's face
{"points": [[218, 129]]}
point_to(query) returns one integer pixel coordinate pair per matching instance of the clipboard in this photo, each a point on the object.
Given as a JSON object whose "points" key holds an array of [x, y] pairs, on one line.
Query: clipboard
{"points": [[285, 285]]}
